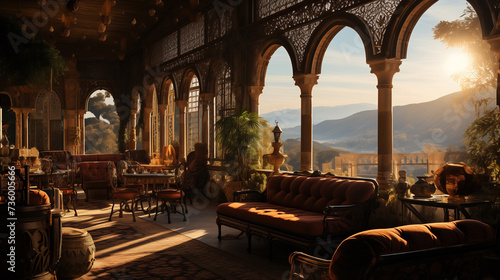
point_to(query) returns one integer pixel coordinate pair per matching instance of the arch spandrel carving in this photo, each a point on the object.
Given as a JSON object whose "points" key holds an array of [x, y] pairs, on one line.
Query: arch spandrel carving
{"points": [[300, 38], [203, 68], [377, 15]]}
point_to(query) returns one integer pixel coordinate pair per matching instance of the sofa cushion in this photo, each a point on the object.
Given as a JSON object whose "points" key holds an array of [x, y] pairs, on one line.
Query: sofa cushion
{"points": [[315, 193], [356, 254], [94, 171], [294, 220]]}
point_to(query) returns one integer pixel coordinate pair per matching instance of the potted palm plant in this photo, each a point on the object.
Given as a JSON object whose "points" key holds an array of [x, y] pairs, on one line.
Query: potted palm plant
{"points": [[239, 136]]}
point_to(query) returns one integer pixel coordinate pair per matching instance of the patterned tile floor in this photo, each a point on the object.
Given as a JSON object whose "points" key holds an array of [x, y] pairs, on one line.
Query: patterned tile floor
{"points": [[181, 250]]}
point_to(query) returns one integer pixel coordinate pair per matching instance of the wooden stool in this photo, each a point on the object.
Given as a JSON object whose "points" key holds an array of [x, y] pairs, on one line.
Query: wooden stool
{"points": [[77, 253]]}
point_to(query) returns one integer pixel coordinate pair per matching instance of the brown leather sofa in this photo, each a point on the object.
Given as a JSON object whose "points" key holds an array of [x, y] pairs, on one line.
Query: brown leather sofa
{"points": [[303, 210], [450, 250]]}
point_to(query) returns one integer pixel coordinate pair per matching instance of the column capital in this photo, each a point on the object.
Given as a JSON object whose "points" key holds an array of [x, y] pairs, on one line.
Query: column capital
{"points": [[17, 110], [207, 96], [384, 69], [181, 104], [306, 82], [255, 91], [26, 111], [147, 111], [162, 108]]}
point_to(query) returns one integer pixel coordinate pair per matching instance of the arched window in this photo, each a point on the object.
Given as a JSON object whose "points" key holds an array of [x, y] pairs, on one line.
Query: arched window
{"points": [[101, 124], [225, 102], [46, 123], [171, 115], [193, 114]]}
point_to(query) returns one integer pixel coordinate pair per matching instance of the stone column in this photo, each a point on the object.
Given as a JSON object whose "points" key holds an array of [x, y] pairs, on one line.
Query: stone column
{"points": [[182, 128], [306, 82], [205, 119], [146, 131], [81, 130], [384, 69], [70, 124], [162, 111], [19, 133], [132, 143], [26, 112], [254, 92]]}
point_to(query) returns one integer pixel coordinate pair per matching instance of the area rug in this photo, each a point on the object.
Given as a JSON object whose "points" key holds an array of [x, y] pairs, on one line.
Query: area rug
{"points": [[144, 250]]}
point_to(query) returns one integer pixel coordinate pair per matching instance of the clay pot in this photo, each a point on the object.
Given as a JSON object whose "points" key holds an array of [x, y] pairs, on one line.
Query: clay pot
{"points": [[456, 179], [422, 189]]}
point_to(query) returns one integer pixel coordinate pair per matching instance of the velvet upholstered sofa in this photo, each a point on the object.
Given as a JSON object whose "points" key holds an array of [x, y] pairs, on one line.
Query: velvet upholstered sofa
{"points": [[303, 210], [462, 249]]}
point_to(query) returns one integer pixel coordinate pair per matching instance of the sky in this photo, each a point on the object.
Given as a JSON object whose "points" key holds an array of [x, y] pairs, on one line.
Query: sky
{"points": [[345, 78]]}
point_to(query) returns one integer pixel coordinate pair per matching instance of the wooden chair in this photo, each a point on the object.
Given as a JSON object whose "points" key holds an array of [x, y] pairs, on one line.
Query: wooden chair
{"points": [[67, 186], [123, 194], [172, 196]]}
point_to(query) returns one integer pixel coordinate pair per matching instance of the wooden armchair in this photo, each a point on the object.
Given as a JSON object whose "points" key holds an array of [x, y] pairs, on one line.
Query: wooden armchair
{"points": [[124, 194], [174, 195], [451, 250]]}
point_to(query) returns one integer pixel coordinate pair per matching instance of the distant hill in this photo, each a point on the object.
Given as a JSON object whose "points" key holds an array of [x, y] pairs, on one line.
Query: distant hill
{"points": [[291, 117], [416, 126]]}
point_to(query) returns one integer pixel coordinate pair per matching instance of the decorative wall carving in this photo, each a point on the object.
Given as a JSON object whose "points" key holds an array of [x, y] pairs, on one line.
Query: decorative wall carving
{"points": [[377, 15], [300, 37], [266, 8], [307, 13], [193, 35], [203, 71], [165, 49]]}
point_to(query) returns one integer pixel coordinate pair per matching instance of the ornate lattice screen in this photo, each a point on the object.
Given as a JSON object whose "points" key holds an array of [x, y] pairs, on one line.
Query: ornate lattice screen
{"points": [[193, 35], [193, 115], [266, 8], [165, 49]]}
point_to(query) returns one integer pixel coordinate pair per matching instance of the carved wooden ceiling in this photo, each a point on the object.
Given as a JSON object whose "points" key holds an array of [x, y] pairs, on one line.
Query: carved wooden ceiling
{"points": [[97, 29]]}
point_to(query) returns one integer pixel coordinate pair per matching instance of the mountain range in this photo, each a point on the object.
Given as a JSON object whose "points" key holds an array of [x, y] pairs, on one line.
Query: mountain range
{"points": [[291, 117], [440, 124]]}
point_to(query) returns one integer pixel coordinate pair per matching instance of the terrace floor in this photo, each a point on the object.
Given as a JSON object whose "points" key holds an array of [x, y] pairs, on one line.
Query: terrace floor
{"points": [[150, 237]]}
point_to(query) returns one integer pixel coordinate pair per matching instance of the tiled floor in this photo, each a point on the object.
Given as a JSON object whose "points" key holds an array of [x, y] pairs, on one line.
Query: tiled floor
{"points": [[200, 225]]}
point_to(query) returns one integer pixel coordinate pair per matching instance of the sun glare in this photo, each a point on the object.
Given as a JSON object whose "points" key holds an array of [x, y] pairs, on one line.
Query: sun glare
{"points": [[457, 62]]}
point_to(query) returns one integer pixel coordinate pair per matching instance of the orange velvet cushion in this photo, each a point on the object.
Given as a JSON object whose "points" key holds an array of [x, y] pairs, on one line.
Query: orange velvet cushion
{"points": [[282, 218], [168, 194], [125, 194], [356, 254], [38, 197]]}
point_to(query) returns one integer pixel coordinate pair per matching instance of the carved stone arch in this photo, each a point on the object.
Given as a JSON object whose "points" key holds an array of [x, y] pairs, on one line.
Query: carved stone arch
{"points": [[12, 103], [264, 54], [150, 87], [400, 28], [327, 30], [165, 86], [183, 93], [89, 92]]}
